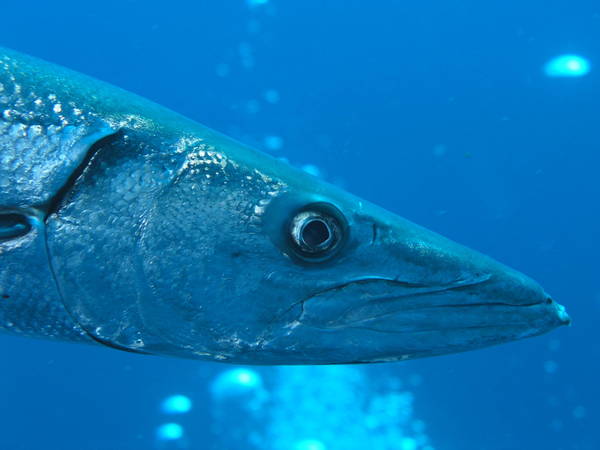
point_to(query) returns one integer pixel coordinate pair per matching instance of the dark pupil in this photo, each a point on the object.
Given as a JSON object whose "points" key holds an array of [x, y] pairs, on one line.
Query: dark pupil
{"points": [[315, 233]]}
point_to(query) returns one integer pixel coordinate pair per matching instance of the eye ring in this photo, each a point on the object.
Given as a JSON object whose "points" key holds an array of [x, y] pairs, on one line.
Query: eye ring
{"points": [[317, 231]]}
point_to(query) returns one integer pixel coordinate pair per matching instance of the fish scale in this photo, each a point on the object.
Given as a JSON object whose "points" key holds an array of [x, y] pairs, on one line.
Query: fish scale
{"points": [[41, 144], [43, 136]]}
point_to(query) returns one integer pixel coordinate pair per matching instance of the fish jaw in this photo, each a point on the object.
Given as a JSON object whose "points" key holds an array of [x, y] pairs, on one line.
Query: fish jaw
{"points": [[380, 320]]}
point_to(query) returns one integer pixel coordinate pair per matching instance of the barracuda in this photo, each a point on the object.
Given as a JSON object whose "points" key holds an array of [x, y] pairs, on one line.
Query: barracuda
{"points": [[125, 224]]}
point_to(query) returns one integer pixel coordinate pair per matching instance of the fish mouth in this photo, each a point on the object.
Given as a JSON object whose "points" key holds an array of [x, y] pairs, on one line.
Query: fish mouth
{"points": [[393, 306], [378, 319], [389, 306]]}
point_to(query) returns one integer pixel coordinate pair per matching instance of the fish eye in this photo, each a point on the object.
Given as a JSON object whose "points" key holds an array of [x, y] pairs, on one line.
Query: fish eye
{"points": [[317, 231]]}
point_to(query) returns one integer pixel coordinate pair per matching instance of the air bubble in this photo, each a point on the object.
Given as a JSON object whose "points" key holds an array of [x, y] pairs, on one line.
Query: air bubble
{"points": [[222, 70], [236, 382], [579, 412], [567, 66], [169, 432], [273, 143], [272, 96], [252, 106], [550, 366], [254, 3], [309, 444], [176, 404]]}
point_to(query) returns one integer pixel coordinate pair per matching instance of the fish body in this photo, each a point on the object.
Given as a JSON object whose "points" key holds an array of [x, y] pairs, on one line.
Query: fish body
{"points": [[125, 224]]}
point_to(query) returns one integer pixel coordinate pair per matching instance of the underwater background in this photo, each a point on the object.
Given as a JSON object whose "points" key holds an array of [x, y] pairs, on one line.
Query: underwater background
{"points": [[479, 120]]}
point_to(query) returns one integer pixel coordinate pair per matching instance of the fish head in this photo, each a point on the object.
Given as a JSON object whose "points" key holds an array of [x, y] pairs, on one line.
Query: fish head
{"points": [[365, 285], [222, 253]]}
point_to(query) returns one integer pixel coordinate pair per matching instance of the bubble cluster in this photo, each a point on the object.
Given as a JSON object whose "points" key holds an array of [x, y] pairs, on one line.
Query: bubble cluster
{"points": [[238, 409], [309, 408], [171, 434]]}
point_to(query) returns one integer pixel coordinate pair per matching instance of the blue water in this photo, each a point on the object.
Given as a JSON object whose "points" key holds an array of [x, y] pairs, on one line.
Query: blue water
{"points": [[440, 111]]}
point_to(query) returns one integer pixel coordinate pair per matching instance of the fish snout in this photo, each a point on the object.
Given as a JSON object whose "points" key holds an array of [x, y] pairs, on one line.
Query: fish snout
{"points": [[559, 311], [513, 288]]}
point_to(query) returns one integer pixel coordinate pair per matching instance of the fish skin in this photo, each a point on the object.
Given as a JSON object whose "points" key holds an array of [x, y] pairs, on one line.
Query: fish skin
{"points": [[151, 233]]}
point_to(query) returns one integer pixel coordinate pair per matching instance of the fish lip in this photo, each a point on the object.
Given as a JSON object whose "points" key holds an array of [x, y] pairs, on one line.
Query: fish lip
{"points": [[381, 303], [426, 288], [358, 323], [467, 305], [297, 309]]}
